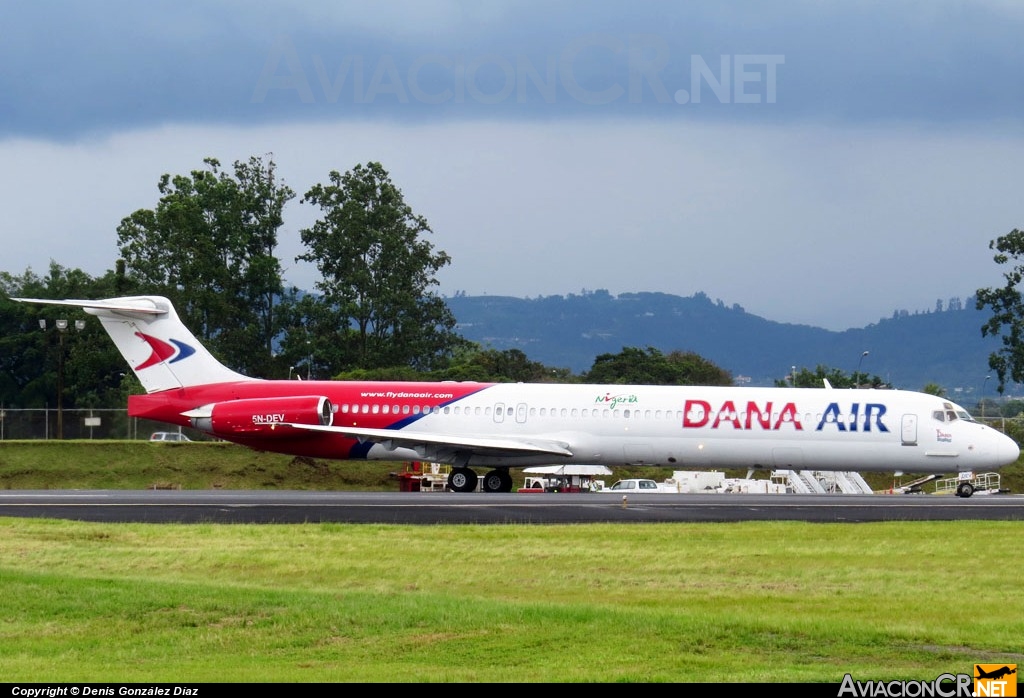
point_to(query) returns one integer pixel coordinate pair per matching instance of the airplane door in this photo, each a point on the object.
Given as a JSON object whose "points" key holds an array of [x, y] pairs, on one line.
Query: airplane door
{"points": [[521, 413], [908, 430], [499, 412]]}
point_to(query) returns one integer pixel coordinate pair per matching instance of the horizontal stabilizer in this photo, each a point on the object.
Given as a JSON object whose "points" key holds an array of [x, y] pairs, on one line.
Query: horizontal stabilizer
{"points": [[141, 305]]}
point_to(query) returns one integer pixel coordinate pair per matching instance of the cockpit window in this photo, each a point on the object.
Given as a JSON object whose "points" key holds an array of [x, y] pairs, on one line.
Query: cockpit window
{"points": [[952, 413]]}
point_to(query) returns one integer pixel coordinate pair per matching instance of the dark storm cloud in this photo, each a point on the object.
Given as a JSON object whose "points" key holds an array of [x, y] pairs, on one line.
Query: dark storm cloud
{"points": [[72, 69]]}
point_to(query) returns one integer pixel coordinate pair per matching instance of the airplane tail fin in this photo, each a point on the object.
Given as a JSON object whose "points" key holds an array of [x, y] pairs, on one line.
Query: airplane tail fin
{"points": [[151, 337]]}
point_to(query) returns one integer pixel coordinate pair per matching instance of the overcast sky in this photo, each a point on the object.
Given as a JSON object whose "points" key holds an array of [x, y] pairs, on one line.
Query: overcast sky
{"points": [[814, 162]]}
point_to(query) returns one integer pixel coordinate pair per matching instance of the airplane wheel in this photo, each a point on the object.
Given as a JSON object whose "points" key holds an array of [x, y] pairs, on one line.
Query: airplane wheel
{"points": [[498, 481], [964, 489], [506, 481], [462, 480]]}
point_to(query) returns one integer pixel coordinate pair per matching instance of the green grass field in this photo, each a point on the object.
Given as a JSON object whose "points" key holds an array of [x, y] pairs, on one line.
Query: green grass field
{"points": [[788, 602], [743, 602]]}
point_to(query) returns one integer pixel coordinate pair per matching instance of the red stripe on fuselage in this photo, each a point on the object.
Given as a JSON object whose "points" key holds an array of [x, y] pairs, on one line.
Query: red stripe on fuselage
{"points": [[168, 405]]}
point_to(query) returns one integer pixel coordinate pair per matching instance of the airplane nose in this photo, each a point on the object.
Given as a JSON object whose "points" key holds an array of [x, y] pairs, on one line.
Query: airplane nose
{"points": [[1009, 451]]}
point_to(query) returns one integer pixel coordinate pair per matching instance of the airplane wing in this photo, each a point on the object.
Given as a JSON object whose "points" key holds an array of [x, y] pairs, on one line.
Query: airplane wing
{"points": [[419, 441]]}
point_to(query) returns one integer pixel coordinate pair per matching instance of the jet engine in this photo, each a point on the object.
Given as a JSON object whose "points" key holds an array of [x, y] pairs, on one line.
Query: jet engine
{"points": [[263, 417]]}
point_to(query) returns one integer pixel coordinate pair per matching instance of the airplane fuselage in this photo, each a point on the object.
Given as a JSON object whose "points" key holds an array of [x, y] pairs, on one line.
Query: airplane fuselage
{"points": [[679, 427], [502, 425]]}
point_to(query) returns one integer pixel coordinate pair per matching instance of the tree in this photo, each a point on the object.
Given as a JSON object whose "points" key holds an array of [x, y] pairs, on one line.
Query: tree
{"points": [[1007, 310], [377, 272], [209, 246], [805, 378], [37, 365], [649, 366], [508, 366]]}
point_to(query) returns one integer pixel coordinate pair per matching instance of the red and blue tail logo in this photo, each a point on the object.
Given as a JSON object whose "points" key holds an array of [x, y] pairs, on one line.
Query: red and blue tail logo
{"points": [[162, 351]]}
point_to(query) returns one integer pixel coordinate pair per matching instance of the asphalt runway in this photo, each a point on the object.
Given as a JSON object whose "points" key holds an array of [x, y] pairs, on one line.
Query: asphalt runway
{"points": [[255, 507]]}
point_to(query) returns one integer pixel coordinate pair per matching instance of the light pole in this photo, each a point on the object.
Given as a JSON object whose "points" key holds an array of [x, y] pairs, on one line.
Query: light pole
{"points": [[62, 327], [856, 376], [983, 387]]}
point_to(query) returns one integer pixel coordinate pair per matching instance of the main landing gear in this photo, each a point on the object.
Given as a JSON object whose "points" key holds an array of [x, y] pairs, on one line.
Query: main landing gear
{"points": [[463, 479], [498, 480]]}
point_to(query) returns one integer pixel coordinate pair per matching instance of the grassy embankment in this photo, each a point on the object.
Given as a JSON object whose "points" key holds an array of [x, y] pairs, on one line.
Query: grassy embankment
{"points": [[210, 465], [197, 465]]}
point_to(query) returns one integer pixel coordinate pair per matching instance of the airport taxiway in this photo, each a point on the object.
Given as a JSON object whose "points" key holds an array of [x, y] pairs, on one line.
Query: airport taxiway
{"points": [[263, 506]]}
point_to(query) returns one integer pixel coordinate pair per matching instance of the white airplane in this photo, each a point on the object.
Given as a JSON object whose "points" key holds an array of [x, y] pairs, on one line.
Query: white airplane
{"points": [[501, 425]]}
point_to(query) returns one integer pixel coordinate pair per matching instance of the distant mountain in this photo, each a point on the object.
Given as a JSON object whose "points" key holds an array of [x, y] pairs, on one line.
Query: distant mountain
{"points": [[908, 350]]}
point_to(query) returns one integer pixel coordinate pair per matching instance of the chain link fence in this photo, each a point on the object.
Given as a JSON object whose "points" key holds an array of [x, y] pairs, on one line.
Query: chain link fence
{"points": [[51, 423]]}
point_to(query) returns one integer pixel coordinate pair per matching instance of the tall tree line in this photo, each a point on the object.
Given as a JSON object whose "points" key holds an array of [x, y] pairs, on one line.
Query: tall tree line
{"points": [[209, 244]]}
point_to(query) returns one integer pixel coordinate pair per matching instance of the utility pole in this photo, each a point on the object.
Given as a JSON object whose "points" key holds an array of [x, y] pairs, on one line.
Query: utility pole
{"points": [[62, 327]]}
